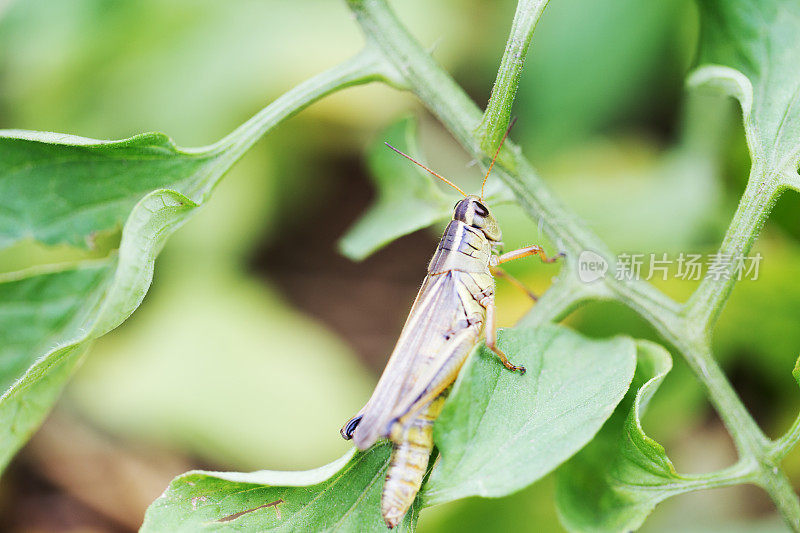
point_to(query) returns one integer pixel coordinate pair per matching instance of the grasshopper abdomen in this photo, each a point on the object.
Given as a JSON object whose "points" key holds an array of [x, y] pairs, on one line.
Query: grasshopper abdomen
{"points": [[411, 450]]}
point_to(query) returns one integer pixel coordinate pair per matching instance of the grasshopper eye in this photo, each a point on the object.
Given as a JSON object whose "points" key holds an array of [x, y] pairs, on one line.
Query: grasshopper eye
{"points": [[481, 210]]}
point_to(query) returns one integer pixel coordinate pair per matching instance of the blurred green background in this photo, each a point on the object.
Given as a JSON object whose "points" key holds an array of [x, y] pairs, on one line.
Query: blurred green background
{"points": [[257, 341]]}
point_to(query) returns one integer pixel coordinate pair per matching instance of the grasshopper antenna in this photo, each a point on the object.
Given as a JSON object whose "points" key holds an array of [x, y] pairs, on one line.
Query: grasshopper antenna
{"points": [[513, 121], [447, 181]]}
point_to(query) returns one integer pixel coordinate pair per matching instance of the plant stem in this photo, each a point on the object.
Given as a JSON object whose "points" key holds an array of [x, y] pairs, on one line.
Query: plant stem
{"points": [[775, 482], [760, 194], [784, 445], [445, 99], [364, 67], [737, 474], [748, 437], [498, 110]]}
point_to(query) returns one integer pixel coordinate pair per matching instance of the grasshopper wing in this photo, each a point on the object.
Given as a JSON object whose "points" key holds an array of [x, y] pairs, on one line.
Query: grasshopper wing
{"points": [[433, 333]]}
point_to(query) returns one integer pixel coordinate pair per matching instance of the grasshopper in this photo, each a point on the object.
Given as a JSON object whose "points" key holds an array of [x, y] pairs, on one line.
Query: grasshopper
{"points": [[454, 307]]}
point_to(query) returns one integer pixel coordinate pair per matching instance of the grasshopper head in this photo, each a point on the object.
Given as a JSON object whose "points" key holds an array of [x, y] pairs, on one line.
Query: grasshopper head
{"points": [[473, 212]]}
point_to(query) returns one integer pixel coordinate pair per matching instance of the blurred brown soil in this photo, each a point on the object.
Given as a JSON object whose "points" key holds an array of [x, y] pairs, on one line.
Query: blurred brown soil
{"points": [[72, 478]]}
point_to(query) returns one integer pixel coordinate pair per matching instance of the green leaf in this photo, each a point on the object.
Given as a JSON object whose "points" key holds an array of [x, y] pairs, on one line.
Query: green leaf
{"points": [[408, 197], [66, 189], [37, 311], [343, 495], [616, 481], [501, 431], [751, 49], [93, 301], [62, 189], [39, 308], [498, 433]]}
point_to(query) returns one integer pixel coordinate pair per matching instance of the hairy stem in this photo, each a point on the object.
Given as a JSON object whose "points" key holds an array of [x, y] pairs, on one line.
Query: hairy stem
{"points": [[364, 67], [737, 474], [705, 305], [748, 437], [498, 110], [774, 481], [784, 445]]}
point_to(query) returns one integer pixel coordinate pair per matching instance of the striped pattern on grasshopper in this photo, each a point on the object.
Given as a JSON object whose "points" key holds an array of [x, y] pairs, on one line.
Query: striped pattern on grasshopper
{"points": [[454, 307]]}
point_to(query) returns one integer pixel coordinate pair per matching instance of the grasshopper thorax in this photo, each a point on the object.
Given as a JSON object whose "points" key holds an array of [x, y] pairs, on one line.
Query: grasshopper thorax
{"points": [[472, 212]]}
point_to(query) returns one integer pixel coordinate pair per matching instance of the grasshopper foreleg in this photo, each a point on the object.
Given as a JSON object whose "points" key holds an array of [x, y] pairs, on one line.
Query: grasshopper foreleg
{"points": [[491, 335]]}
